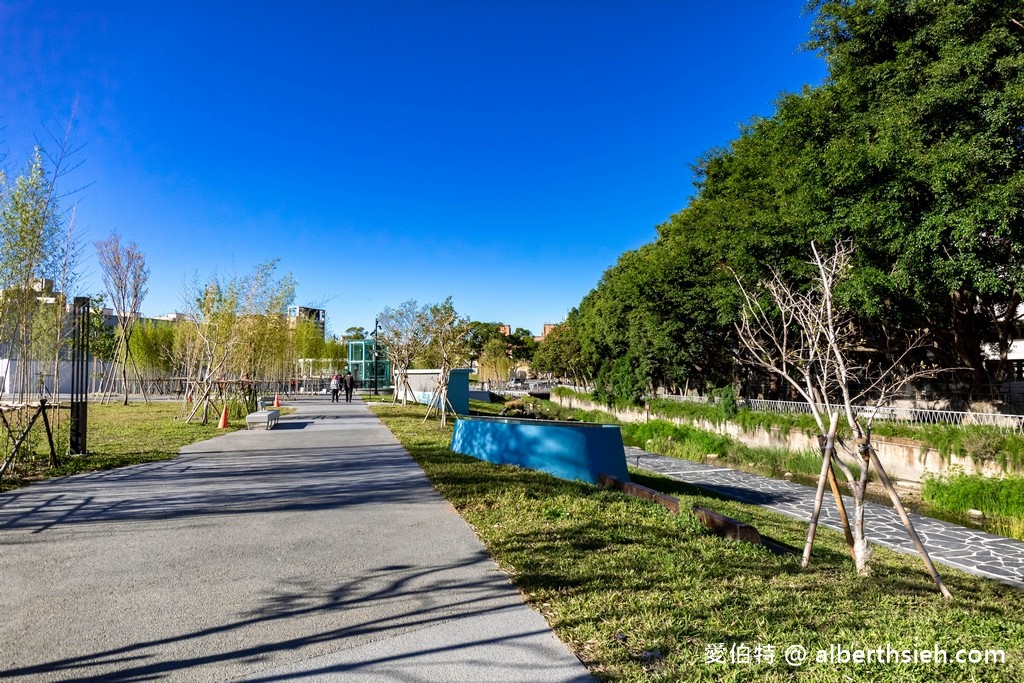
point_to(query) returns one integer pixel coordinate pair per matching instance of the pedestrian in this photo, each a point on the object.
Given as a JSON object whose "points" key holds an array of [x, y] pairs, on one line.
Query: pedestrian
{"points": [[350, 382], [335, 385]]}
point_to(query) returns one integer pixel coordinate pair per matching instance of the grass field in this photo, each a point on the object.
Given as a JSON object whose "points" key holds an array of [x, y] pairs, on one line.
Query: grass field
{"points": [[117, 435], [640, 594]]}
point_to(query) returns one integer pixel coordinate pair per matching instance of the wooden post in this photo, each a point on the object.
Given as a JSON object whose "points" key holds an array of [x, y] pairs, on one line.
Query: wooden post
{"points": [[898, 504], [21, 439], [834, 485], [819, 495]]}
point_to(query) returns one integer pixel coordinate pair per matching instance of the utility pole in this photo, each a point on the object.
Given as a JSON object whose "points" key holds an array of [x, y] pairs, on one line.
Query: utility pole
{"points": [[375, 325]]}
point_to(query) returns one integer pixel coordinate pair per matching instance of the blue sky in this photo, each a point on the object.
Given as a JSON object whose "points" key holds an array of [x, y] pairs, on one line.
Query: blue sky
{"points": [[501, 152]]}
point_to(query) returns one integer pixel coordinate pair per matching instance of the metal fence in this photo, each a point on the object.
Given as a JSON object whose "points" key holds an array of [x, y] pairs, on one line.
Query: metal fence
{"points": [[1014, 423], [918, 416], [686, 399]]}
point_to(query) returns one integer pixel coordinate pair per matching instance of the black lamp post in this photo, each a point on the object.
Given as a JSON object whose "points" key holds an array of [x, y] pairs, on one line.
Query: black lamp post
{"points": [[375, 324]]}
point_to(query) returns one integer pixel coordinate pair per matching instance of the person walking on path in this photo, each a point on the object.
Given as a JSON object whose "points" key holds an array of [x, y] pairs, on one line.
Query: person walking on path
{"points": [[335, 385], [350, 382]]}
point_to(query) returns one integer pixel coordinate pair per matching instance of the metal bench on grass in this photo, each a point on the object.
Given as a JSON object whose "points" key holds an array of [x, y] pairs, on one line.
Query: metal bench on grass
{"points": [[267, 418]]}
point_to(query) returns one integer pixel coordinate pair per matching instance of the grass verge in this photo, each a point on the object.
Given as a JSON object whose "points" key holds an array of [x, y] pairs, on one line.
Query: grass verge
{"points": [[117, 435], [981, 442], [640, 594]]}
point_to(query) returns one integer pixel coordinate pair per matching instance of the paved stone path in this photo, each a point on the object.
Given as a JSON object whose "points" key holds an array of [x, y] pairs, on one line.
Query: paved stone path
{"points": [[971, 550]]}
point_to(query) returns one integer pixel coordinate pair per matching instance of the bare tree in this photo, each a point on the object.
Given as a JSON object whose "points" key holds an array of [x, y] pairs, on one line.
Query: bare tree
{"points": [[803, 336], [448, 336], [403, 332], [125, 276]]}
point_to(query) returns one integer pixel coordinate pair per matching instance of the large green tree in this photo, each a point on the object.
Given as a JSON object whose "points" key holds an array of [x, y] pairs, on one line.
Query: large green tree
{"points": [[926, 170], [560, 353], [652, 321], [912, 149]]}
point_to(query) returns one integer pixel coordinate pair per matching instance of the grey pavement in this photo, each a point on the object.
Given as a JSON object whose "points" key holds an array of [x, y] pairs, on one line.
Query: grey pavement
{"points": [[315, 551], [971, 550]]}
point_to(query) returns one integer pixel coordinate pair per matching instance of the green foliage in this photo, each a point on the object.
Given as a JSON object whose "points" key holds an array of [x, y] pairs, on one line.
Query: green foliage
{"points": [[101, 337], [494, 361], [641, 433], [652, 308], [750, 420], [960, 492], [913, 150], [687, 410], [238, 326], [620, 383], [725, 398], [499, 353], [691, 443], [565, 391], [30, 254], [982, 442], [308, 339], [152, 346], [561, 353]]}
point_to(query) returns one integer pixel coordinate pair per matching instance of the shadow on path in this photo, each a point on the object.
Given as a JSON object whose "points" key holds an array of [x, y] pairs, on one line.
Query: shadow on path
{"points": [[395, 584]]}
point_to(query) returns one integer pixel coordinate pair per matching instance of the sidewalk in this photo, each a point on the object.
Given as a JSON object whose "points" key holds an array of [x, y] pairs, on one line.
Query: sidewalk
{"points": [[971, 550], [315, 551]]}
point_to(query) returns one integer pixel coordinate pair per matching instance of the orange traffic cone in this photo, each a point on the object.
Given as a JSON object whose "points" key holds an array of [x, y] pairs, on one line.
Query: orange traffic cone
{"points": [[223, 419], [277, 400]]}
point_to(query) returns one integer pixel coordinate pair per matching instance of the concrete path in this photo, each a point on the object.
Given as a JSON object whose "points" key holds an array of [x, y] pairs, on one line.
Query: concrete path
{"points": [[315, 551], [971, 550]]}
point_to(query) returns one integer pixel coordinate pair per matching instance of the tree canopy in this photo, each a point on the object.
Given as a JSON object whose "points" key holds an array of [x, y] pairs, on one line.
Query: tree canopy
{"points": [[912, 150]]}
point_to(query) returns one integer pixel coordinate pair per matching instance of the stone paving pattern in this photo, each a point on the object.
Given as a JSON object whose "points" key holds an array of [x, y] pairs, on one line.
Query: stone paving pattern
{"points": [[971, 550]]}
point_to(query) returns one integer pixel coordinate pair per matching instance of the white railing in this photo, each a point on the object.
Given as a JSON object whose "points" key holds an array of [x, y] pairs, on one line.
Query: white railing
{"points": [[905, 415], [686, 399]]}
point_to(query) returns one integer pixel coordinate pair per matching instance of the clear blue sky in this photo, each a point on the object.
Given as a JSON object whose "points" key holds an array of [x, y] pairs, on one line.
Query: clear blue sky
{"points": [[503, 152]]}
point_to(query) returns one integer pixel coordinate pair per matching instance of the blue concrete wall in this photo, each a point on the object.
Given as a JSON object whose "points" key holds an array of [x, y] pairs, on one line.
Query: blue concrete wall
{"points": [[422, 384], [458, 390], [568, 450]]}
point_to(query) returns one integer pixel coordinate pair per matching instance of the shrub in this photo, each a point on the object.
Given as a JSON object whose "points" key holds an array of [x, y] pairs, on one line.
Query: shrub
{"points": [[960, 492], [726, 399]]}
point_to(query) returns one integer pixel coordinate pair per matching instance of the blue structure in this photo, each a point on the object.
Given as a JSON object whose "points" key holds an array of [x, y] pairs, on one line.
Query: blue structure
{"points": [[568, 450], [423, 384]]}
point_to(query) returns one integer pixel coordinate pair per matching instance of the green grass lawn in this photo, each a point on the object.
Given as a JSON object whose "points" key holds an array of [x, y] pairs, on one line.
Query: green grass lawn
{"points": [[117, 435], [641, 594]]}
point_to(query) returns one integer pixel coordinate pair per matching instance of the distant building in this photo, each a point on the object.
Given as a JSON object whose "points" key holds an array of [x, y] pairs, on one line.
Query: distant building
{"points": [[171, 317], [317, 315], [547, 330]]}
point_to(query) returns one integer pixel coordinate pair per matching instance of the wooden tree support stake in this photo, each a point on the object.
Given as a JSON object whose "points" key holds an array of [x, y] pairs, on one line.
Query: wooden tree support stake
{"points": [[898, 504], [819, 495], [41, 410]]}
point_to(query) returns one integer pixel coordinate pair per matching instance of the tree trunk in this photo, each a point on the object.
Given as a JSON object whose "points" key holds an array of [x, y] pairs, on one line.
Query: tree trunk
{"points": [[861, 547]]}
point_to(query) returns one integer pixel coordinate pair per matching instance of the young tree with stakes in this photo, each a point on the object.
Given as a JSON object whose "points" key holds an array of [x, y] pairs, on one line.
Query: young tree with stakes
{"points": [[805, 337], [125, 276], [448, 335], [402, 331]]}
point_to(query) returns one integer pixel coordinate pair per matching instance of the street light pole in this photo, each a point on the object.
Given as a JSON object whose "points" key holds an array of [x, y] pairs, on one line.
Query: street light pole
{"points": [[375, 325]]}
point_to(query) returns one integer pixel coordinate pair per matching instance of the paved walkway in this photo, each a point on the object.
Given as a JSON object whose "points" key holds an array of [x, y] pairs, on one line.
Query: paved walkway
{"points": [[971, 550], [316, 551]]}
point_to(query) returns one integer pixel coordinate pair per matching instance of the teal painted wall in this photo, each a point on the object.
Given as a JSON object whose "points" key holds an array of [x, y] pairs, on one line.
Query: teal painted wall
{"points": [[567, 450]]}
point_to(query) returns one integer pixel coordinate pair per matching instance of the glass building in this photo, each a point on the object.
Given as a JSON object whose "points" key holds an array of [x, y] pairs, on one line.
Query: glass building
{"points": [[361, 363]]}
